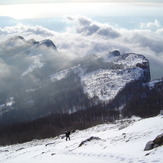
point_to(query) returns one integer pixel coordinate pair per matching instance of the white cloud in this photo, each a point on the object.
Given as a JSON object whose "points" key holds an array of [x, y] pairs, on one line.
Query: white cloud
{"points": [[151, 25], [27, 29], [88, 27], [4, 69], [160, 31], [85, 36]]}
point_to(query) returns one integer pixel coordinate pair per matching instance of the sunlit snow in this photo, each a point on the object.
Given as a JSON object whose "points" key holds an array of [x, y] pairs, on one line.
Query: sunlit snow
{"points": [[123, 141], [106, 83]]}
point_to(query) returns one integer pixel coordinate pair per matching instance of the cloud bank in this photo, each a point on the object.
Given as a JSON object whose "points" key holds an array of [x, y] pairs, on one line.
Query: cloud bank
{"points": [[66, 1], [86, 37], [25, 29], [154, 24]]}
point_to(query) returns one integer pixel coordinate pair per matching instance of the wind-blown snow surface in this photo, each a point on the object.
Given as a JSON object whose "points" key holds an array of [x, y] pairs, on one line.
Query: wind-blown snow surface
{"points": [[123, 141]]}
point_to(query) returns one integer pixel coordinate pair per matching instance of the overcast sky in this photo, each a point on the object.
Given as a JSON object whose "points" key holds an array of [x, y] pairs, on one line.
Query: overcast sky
{"points": [[64, 1], [26, 11], [90, 28]]}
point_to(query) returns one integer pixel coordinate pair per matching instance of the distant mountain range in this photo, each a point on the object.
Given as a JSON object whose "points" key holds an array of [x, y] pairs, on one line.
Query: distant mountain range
{"points": [[40, 81]]}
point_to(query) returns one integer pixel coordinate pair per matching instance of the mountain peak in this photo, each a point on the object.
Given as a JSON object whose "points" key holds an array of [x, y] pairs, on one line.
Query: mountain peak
{"points": [[19, 41], [48, 43], [115, 53], [17, 38], [33, 41]]}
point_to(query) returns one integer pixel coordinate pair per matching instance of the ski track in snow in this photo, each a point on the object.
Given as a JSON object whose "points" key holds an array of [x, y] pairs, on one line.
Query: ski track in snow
{"points": [[123, 141]]}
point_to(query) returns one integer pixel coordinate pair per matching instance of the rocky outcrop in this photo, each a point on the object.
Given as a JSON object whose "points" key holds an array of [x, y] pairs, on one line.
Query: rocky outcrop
{"points": [[149, 146], [158, 141], [89, 140], [115, 53], [48, 43]]}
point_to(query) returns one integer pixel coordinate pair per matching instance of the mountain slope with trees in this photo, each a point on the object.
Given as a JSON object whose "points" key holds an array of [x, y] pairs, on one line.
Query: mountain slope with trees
{"points": [[46, 91]]}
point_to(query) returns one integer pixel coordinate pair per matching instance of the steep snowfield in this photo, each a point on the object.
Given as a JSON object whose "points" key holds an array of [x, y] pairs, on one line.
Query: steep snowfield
{"points": [[123, 141], [106, 83]]}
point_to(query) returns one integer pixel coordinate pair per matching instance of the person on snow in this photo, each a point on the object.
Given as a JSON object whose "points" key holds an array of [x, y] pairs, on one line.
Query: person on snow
{"points": [[67, 135]]}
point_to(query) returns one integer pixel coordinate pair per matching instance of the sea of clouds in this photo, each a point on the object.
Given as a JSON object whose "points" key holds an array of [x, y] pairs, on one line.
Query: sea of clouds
{"points": [[84, 36]]}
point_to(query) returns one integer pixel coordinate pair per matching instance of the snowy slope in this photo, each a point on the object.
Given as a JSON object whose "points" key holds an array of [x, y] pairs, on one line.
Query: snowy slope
{"points": [[123, 141], [37, 64], [106, 83]]}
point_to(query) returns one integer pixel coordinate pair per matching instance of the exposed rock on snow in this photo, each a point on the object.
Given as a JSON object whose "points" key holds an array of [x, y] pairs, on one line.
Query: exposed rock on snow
{"points": [[88, 140], [149, 146], [158, 141]]}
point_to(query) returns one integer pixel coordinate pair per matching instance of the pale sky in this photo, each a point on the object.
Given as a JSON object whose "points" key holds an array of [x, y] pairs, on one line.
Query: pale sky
{"points": [[29, 11], [65, 1], [144, 25]]}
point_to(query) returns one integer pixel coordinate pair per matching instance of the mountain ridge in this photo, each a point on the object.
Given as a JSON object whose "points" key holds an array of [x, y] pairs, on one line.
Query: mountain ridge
{"points": [[44, 84]]}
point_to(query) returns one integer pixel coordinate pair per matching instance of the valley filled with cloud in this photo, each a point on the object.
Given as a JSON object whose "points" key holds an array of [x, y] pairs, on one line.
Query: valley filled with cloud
{"points": [[85, 36]]}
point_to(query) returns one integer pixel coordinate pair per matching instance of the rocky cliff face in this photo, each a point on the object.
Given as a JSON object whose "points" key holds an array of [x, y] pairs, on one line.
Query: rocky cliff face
{"points": [[45, 82], [147, 100]]}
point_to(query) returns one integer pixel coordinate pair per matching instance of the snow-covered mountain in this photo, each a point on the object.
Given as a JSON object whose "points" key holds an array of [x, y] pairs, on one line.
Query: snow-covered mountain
{"points": [[122, 141], [106, 83], [43, 82]]}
